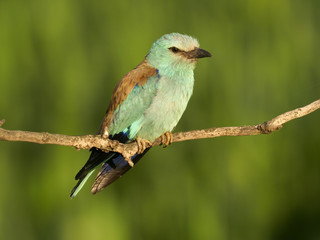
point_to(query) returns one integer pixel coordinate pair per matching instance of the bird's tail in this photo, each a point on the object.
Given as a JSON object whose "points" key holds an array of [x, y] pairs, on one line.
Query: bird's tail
{"points": [[80, 184], [114, 166], [97, 157]]}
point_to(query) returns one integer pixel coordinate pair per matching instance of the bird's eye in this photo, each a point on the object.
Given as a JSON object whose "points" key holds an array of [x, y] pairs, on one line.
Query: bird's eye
{"points": [[174, 49]]}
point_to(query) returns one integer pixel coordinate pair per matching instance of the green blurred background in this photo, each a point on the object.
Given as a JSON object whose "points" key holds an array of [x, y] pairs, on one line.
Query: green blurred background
{"points": [[59, 63]]}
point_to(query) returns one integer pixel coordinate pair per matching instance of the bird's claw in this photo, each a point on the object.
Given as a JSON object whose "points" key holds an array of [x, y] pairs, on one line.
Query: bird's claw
{"points": [[143, 144], [166, 139], [130, 162]]}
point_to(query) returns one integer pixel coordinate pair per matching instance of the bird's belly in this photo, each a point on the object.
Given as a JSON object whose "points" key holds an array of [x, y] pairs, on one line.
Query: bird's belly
{"points": [[165, 111]]}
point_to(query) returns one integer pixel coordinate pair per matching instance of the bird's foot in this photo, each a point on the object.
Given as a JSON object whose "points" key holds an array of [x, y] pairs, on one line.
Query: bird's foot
{"points": [[166, 139], [143, 144], [130, 162]]}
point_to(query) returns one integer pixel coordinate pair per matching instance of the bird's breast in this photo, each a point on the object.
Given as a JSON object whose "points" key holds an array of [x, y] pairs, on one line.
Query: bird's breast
{"points": [[167, 106]]}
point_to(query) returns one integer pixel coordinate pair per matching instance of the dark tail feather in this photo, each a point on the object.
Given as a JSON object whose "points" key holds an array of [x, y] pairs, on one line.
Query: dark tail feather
{"points": [[112, 170], [97, 157], [80, 184]]}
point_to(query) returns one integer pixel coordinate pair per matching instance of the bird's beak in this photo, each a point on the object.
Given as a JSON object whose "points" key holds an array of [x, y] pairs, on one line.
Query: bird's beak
{"points": [[198, 53]]}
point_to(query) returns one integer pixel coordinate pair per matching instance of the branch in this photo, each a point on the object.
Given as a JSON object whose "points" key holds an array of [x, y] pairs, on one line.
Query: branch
{"points": [[128, 150]]}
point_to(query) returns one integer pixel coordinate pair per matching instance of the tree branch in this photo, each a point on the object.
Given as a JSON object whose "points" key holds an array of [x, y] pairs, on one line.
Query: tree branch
{"points": [[128, 150]]}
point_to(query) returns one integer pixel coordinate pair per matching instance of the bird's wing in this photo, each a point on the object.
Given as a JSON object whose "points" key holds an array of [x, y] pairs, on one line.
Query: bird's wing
{"points": [[131, 97]]}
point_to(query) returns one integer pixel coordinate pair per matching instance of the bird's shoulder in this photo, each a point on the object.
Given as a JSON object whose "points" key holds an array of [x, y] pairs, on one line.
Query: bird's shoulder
{"points": [[136, 77]]}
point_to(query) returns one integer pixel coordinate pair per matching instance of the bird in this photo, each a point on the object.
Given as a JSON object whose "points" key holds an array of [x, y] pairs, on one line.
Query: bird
{"points": [[146, 104]]}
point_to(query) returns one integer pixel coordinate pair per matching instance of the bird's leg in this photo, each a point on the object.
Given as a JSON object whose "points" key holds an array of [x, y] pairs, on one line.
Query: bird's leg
{"points": [[166, 139], [143, 144]]}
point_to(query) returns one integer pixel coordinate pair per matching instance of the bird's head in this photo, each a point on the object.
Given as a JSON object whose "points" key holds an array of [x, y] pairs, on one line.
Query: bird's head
{"points": [[176, 50]]}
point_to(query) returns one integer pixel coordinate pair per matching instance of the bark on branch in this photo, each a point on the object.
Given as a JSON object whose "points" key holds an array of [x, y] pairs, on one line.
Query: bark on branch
{"points": [[128, 150]]}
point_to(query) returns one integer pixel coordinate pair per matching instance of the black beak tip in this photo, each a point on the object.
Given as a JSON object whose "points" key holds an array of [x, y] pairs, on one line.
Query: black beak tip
{"points": [[198, 53], [203, 53]]}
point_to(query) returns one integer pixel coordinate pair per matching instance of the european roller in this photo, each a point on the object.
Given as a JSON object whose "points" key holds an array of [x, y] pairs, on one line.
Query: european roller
{"points": [[147, 103]]}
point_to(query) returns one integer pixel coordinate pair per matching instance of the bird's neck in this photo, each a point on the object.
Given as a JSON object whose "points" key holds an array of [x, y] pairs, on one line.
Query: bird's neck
{"points": [[176, 71]]}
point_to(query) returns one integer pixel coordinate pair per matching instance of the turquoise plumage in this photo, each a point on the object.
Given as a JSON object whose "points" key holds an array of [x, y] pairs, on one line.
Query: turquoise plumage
{"points": [[147, 103]]}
